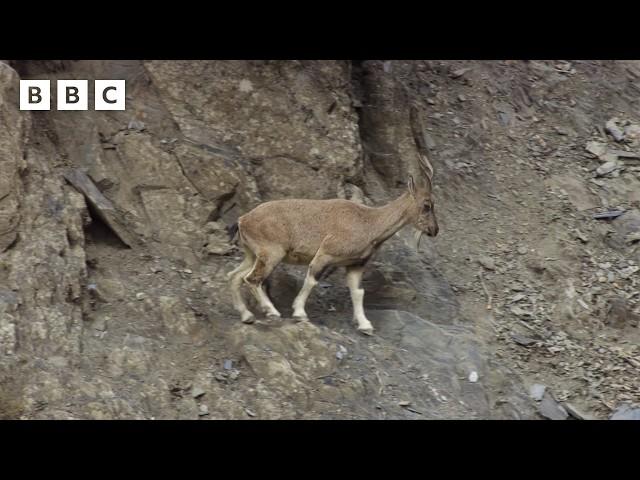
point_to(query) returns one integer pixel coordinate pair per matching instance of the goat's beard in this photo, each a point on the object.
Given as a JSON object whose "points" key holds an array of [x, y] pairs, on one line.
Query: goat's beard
{"points": [[418, 236]]}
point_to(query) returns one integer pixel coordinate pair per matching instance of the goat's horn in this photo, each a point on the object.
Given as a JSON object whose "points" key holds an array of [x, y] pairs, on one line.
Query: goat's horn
{"points": [[418, 236], [425, 165], [418, 138]]}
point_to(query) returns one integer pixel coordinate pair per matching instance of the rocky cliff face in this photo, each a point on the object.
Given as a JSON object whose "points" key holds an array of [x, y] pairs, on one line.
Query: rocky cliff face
{"points": [[113, 248]]}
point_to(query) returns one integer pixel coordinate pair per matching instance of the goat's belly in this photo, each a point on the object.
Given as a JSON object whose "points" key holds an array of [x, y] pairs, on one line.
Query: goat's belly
{"points": [[298, 258]]}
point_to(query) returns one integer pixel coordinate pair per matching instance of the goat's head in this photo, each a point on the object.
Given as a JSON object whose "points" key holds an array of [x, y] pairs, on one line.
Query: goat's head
{"points": [[424, 218]]}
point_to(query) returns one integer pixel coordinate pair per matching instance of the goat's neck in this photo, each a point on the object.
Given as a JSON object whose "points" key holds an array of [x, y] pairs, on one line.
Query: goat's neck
{"points": [[392, 217]]}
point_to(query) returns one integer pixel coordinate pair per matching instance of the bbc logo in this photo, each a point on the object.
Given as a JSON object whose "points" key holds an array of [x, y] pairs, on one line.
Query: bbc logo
{"points": [[72, 95]]}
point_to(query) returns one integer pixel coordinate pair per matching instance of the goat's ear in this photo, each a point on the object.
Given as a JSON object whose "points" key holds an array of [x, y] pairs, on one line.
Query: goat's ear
{"points": [[411, 185]]}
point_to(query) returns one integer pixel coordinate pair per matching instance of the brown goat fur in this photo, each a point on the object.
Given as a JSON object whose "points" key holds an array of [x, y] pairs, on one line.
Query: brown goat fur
{"points": [[323, 234]]}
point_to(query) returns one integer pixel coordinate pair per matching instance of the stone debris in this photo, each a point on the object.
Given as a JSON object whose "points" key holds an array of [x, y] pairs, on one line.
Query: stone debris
{"points": [[608, 215], [596, 148], [197, 392], [536, 391], [607, 168], [581, 236], [520, 312], [459, 72], [136, 125], [632, 237], [342, 351], [575, 412], [626, 412], [615, 131], [550, 409], [523, 340], [487, 262]]}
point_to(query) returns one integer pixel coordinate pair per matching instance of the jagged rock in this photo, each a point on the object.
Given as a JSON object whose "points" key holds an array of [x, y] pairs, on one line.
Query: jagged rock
{"points": [[581, 236], [136, 125], [551, 409], [632, 134], [596, 148], [265, 109], [625, 226], [459, 72], [177, 318], [615, 131], [626, 412], [218, 242], [215, 174], [43, 272], [632, 237], [102, 206], [608, 215], [10, 157], [197, 392], [609, 157], [607, 168], [487, 262], [210, 140], [619, 315], [523, 340], [576, 189], [289, 357], [537, 391], [576, 413]]}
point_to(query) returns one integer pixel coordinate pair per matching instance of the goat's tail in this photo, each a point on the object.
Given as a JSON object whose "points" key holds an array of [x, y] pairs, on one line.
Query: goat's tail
{"points": [[233, 232]]}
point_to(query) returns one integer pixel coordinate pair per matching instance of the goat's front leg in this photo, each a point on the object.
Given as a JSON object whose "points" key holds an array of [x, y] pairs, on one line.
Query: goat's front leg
{"points": [[354, 275], [317, 265]]}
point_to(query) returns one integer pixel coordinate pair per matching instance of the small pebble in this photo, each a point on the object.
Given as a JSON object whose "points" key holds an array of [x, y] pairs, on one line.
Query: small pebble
{"points": [[197, 392]]}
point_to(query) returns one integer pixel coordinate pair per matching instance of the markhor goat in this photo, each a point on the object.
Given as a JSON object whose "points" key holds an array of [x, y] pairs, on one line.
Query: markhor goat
{"points": [[322, 234]]}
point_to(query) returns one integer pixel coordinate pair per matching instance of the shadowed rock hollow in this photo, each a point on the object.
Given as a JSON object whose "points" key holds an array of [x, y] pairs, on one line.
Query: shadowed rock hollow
{"points": [[113, 244]]}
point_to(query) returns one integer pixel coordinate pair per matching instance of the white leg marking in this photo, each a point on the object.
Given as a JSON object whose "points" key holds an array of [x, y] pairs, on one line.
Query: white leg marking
{"points": [[301, 299], [354, 275], [265, 265], [236, 295], [265, 303]]}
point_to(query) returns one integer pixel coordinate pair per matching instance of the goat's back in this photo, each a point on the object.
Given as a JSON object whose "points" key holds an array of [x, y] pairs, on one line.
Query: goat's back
{"points": [[300, 225]]}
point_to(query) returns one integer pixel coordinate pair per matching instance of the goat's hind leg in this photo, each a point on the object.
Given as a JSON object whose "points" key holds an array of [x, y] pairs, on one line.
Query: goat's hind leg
{"points": [[264, 265], [236, 277]]}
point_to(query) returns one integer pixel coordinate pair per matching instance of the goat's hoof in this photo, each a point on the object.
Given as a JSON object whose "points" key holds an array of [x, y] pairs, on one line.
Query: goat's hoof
{"points": [[366, 330], [249, 318], [300, 318]]}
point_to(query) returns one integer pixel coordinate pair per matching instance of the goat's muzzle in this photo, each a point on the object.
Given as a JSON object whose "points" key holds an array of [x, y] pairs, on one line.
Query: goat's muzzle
{"points": [[430, 231]]}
